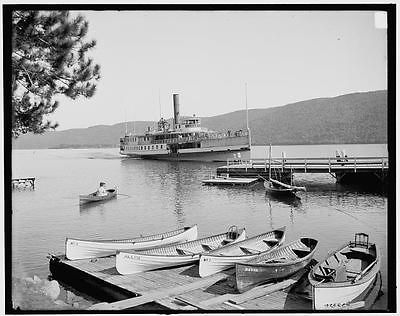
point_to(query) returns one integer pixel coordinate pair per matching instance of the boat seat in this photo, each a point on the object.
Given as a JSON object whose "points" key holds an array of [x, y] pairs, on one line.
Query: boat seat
{"points": [[226, 241], [207, 247], [271, 243], [184, 252], [353, 271], [326, 272], [277, 260], [249, 250], [301, 252]]}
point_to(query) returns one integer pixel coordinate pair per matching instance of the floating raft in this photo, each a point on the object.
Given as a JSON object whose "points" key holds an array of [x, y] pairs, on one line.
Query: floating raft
{"points": [[222, 180], [178, 288], [23, 182]]}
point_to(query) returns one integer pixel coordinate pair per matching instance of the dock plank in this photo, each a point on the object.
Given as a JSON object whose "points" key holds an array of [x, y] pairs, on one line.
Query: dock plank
{"points": [[157, 294]]}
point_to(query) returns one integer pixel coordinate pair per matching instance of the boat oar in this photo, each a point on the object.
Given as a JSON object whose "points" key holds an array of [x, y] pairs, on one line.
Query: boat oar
{"points": [[123, 194]]}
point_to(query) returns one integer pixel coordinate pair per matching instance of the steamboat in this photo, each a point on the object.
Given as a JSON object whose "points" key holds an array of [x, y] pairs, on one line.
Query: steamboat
{"points": [[187, 140]]}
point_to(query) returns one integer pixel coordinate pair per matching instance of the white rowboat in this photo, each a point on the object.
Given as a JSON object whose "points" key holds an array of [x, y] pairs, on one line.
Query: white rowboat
{"points": [[226, 257], [176, 255], [345, 275], [83, 249]]}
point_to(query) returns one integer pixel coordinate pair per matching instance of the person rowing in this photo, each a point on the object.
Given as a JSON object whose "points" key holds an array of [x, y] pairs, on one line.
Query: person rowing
{"points": [[101, 191]]}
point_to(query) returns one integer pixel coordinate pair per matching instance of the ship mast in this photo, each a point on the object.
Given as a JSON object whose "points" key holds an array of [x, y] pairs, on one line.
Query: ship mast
{"points": [[270, 150], [159, 101], [126, 124], [247, 116]]}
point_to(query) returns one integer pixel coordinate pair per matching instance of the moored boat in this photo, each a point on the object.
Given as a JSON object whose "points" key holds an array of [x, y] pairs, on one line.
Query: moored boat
{"points": [[128, 262], [277, 187], [276, 264], [82, 249], [93, 197], [226, 257], [345, 276]]}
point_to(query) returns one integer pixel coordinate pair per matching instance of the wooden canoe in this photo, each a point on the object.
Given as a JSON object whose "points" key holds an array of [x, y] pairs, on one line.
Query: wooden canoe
{"points": [[129, 262], [92, 197], [82, 249], [345, 275], [276, 264], [226, 257]]}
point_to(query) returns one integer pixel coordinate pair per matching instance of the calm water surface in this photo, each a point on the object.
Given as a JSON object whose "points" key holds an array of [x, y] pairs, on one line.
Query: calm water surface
{"points": [[160, 196]]}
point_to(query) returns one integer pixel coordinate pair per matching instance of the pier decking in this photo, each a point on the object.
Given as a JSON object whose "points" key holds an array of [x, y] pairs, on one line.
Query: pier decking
{"points": [[178, 288], [340, 168]]}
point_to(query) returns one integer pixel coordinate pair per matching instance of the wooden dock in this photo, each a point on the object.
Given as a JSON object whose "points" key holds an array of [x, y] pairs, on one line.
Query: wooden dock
{"points": [[178, 288], [340, 168]]}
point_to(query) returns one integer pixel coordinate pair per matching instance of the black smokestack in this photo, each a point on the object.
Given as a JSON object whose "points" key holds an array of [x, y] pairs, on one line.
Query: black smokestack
{"points": [[176, 109]]}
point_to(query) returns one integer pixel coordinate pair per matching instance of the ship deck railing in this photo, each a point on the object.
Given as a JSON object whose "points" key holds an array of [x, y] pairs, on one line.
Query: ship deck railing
{"points": [[192, 138]]}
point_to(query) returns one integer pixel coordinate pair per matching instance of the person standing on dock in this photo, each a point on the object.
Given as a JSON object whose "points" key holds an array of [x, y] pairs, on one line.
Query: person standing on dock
{"points": [[101, 191]]}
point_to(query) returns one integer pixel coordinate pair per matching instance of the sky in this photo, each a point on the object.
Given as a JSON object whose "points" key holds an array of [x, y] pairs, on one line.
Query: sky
{"points": [[208, 57]]}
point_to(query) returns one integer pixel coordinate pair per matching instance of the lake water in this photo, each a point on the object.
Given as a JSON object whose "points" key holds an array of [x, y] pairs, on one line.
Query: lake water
{"points": [[160, 196]]}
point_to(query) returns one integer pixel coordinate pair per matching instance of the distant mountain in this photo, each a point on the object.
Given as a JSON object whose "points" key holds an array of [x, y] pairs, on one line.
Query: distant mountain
{"points": [[353, 118]]}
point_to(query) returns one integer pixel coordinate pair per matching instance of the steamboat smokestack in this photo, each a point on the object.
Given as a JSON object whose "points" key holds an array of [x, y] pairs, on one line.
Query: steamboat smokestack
{"points": [[176, 109]]}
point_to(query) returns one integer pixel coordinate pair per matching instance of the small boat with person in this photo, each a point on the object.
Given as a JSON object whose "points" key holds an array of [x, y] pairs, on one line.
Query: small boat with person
{"points": [[129, 262], [84, 249], [276, 264], [102, 194], [345, 277], [226, 257]]}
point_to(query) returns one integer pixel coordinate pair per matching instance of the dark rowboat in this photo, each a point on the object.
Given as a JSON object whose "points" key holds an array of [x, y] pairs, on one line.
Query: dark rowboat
{"points": [[275, 265], [93, 197], [277, 187], [345, 277]]}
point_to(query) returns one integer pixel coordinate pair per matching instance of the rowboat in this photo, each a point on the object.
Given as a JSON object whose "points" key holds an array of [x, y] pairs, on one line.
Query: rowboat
{"points": [[226, 257], [345, 275], [93, 197], [128, 262], [276, 264], [82, 249]]}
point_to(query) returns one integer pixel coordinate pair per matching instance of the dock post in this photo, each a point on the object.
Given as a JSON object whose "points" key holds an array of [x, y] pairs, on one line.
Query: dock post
{"points": [[355, 164], [329, 160]]}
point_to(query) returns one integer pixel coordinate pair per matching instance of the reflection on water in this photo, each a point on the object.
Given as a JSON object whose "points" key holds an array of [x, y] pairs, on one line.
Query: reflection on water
{"points": [[156, 196]]}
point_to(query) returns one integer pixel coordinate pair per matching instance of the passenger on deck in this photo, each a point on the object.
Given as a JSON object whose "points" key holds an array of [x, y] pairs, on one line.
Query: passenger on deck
{"points": [[101, 191]]}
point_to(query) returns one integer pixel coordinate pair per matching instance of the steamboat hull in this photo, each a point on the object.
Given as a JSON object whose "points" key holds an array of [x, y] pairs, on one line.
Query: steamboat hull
{"points": [[207, 156]]}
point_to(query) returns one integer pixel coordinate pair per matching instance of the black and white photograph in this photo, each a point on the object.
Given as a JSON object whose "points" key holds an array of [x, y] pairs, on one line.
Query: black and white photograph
{"points": [[199, 158]]}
